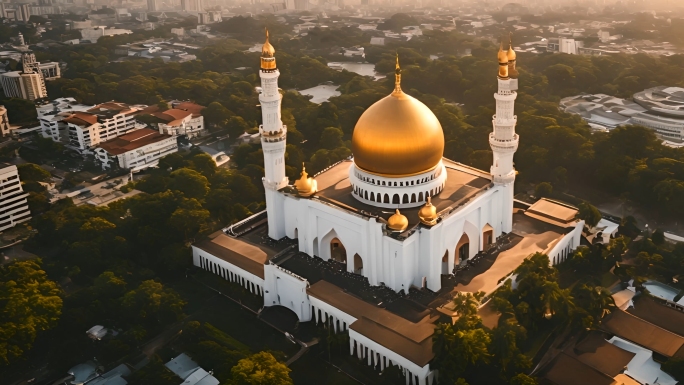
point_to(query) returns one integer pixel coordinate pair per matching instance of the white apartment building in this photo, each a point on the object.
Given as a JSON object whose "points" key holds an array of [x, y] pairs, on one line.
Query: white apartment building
{"points": [[183, 123], [50, 70], [17, 84], [82, 127], [13, 204], [136, 150]]}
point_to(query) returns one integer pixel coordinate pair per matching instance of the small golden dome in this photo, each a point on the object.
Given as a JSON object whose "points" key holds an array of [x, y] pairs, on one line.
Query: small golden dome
{"points": [[397, 222], [398, 136], [510, 54], [305, 186], [502, 55], [428, 213]]}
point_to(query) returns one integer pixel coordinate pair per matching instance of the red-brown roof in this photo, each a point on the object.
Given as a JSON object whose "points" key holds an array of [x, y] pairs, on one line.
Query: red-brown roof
{"points": [[81, 119], [132, 140], [194, 108]]}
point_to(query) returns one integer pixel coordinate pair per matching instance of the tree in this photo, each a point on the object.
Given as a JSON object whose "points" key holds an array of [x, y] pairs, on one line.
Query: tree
{"points": [[331, 138], [20, 110], [29, 172], [190, 182], [30, 303], [109, 285], [151, 300], [261, 369], [543, 190], [236, 126], [590, 214], [522, 379]]}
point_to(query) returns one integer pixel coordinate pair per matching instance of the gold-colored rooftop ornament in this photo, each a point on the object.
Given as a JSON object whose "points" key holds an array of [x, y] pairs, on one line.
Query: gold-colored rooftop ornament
{"points": [[397, 222], [306, 186], [428, 213], [397, 77], [502, 56], [268, 54]]}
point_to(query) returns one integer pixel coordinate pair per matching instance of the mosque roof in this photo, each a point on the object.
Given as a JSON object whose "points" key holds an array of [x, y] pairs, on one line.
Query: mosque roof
{"points": [[412, 341], [462, 184]]}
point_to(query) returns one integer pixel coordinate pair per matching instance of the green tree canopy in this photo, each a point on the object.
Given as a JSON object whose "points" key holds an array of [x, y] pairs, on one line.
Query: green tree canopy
{"points": [[30, 303], [261, 369]]}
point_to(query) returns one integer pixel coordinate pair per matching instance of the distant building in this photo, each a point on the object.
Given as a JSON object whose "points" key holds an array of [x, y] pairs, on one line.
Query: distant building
{"points": [[18, 84], [136, 150], [92, 34], [82, 127], [563, 45], [50, 70], [377, 41], [191, 373], [152, 5], [185, 118], [658, 108], [13, 204]]}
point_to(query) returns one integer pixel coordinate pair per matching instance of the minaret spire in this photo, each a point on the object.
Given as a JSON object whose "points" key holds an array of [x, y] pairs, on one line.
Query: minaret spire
{"points": [[273, 139], [504, 140], [397, 77]]}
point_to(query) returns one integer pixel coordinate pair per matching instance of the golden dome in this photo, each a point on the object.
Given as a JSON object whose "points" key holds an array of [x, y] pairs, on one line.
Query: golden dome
{"points": [[398, 136], [510, 54], [305, 186], [428, 213], [268, 62], [397, 222]]}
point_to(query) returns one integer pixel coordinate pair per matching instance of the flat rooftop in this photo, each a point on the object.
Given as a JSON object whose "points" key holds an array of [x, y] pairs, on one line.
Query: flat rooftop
{"points": [[462, 184], [412, 341], [553, 212], [249, 252]]}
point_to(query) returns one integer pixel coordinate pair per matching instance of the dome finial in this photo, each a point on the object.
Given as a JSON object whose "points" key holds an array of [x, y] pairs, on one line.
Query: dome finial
{"points": [[397, 222], [306, 186], [502, 56], [397, 76]]}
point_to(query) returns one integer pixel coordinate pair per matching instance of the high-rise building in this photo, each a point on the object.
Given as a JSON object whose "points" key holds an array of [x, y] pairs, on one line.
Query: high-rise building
{"points": [[13, 204], [24, 12], [17, 84], [152, 5]]}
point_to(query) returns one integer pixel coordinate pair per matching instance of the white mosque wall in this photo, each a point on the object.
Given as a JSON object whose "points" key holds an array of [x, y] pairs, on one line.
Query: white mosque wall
{"points": [[561, 251], [396, 192], [378, 355], [398, 264], [227, 271], [284, 288]]}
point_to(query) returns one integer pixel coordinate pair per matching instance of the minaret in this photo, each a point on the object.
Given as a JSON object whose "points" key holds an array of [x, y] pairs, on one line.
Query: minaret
{"points": [[273, 135], [504, 140]]}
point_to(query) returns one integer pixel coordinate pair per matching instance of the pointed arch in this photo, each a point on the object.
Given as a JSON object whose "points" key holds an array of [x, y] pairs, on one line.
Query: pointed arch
{"points": [[487, 236], [314, 247], [358, 264], [445, 262]]}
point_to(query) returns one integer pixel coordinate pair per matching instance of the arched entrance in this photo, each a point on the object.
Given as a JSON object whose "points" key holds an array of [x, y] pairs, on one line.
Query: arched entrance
{"points": [[358, 264], [315, 247], [445, 263], [337, 251], [463, 248], [487, 236]]}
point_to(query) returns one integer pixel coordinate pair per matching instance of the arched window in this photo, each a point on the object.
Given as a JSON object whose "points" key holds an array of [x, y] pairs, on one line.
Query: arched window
{"points": [[387, 198], [406, 199], [413, 198], [395, 199]]}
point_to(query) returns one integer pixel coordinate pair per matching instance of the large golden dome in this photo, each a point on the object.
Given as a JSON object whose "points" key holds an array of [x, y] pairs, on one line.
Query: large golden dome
{"points": [[398, 136]]}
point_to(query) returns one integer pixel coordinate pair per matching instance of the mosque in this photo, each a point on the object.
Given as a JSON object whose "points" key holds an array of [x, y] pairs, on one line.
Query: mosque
{"points": [[397, 213]]}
